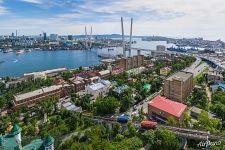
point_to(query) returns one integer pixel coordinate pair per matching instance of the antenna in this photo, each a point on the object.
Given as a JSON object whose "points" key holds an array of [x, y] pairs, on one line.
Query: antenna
{"points": [[131, 30], [123, 42]]}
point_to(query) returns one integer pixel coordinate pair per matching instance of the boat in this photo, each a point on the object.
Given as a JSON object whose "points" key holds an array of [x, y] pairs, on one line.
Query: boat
{"points": [[104, 56], [15, 60], [7, 50], [28, 50], [20, 51]]}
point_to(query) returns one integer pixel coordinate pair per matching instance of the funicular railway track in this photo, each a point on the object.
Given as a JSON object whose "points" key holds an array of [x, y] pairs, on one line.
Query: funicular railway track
{"points": [[183, 132]]}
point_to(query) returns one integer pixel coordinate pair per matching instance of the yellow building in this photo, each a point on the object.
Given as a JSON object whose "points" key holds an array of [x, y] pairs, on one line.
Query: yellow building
{"points": [[165, 71]]}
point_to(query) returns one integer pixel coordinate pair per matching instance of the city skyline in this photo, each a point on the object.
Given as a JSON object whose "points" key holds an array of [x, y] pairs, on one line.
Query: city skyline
{"points": [[177, 18]]}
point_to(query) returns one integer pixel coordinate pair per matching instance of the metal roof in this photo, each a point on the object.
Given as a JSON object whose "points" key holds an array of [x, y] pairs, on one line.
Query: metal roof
{"points": [[171, 107], [37, 92]]}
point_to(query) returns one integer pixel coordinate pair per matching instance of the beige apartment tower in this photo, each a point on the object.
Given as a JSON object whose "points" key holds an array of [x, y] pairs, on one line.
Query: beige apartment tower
{"points": [[178, 86]]}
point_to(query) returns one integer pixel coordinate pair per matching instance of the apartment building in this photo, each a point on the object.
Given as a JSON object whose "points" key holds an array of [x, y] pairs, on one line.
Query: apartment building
{"points": [[178, 86], [131, 62], [30, 98]]}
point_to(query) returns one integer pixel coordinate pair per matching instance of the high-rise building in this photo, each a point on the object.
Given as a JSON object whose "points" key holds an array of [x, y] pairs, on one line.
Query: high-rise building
{"points": [[53, 37], [70, 37], [45, 36], [178, 86]]}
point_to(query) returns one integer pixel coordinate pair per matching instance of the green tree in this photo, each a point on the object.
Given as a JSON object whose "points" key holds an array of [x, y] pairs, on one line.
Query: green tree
{"points": [[165, 139], [106, 105], [186, 120], [171, 121]]}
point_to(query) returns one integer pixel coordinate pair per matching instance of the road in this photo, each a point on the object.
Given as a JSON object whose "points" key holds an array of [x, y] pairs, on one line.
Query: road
{"points": [[143, 104], [197, 67]]}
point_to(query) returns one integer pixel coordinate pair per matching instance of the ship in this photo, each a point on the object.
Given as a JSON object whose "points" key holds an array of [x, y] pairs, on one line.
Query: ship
{"points": [[20, 51], [179, 49], [104, 56], [7, 50]]}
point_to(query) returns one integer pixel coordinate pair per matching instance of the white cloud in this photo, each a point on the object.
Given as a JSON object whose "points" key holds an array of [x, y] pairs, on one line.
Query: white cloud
{"points": [[3, 10], [187, 18], [33, 1]]}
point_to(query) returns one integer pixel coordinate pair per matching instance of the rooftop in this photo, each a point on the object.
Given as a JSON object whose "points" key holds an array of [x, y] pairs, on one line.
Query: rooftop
{"points": [[219, 85], [104, 72], [97, 86], [182, 76], [173, 108], [37, 92]]}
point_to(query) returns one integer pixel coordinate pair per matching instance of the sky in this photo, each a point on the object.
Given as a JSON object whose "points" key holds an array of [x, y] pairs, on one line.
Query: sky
{"points": [[171, 18]]}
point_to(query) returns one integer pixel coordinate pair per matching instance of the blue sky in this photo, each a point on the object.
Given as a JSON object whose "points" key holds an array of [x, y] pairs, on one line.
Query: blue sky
{"points": [[174, 18]]}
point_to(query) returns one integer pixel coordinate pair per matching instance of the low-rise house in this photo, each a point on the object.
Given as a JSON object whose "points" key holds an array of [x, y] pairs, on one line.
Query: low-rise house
{"points": [[160, 109], [165, 71], [78, 83], [98, 89], [217, 86], [214, 76], [71, 107], [195, 111]]}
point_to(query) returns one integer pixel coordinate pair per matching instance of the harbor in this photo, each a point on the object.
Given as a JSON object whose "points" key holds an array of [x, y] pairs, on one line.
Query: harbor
{"points": [[16, 65]]}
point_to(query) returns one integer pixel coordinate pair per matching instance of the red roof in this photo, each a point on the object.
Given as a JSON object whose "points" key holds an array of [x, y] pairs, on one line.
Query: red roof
{"points": [[173, 108]]}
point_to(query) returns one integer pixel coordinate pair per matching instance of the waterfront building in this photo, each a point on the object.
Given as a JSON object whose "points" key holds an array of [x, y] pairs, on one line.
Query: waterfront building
{"points": [[44, 36], [53, 37], [131, 62], [44, 74], [160, 109], [30, 98], [100, 88], [13, 140], [178, 86]]}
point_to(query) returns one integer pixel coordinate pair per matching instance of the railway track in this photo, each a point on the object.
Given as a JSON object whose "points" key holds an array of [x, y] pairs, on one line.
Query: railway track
{"points": [[183, 132]]}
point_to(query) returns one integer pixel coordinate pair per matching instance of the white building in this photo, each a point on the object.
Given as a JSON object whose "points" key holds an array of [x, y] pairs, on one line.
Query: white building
{"points": [[44, 74], [100, 88]]}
